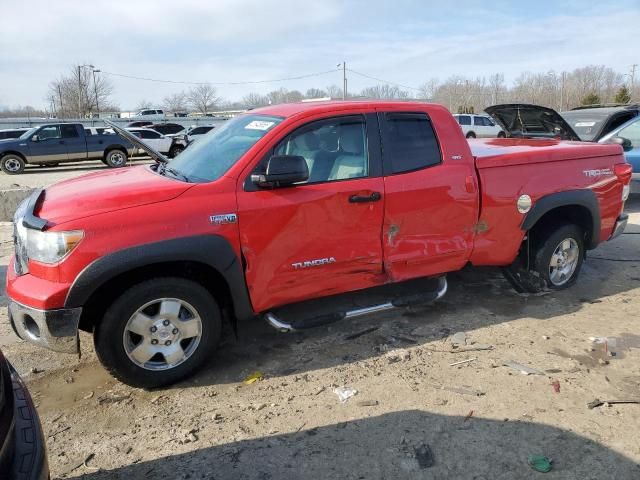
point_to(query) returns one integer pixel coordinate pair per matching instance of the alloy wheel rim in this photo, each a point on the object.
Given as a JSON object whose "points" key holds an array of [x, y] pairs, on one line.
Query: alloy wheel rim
{"points": [[12, 165], [162, 334], [117, 158], [564, 261]]}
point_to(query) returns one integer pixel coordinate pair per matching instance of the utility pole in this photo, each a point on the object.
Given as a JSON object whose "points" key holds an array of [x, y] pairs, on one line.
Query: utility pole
{"points": [[95, 90], [632, 78], [562, 90], [60, 100], [79, 91], [344, 80]]}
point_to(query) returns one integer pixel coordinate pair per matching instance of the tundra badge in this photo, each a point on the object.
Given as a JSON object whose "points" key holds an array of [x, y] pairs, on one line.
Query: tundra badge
{"points": [[313, 263]]}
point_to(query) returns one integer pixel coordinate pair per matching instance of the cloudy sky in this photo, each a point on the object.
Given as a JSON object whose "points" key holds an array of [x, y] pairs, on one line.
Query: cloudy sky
{"points": [[227, 41]]}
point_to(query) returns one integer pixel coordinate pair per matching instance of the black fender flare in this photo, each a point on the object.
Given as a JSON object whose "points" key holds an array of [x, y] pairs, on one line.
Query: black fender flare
{"points": [[581, 198], [212, 250], [117, 146]]}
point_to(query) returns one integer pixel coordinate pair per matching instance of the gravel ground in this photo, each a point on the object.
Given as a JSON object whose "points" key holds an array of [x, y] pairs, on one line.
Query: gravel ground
{"points": [[475, 420]]}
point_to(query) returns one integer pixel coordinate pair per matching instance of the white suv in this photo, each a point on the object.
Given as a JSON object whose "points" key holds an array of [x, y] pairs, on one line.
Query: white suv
{"points": [[478, 126], [151, 114]]}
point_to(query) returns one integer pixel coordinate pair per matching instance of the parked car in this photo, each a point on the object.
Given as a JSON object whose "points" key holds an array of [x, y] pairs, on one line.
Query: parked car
{"points": [[254, 218], [164, 144], [138, 124], [62, 142], [478, 126], [197, 131], [23, 453], [167, 128], [151, 113], [98, 131], [12, 132], [593, 122], [628, 136]]}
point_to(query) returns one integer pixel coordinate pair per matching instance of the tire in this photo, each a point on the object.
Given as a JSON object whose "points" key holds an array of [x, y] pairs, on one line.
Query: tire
{"points": [[126, 354], [502, 135], [562, 245], [12, 164], [471, 135], [116, 158], [175, 151]]}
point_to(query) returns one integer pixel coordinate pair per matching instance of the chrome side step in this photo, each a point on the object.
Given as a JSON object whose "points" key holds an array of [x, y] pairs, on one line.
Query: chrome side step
{"points": [[285, 327]]}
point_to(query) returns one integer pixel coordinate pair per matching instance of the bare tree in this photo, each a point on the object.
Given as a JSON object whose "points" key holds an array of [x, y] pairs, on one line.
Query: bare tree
{"points": [[82, 91], [428, 89], [176, 102], [254, 100], [384, 91], [144, 105], [315, 93], [203, 98], [334, 91], [284, 96]]}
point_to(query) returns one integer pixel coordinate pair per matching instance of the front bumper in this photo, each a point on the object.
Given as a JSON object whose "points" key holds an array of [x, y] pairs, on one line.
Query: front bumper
{"points": [[621, 224], [56, 330]]}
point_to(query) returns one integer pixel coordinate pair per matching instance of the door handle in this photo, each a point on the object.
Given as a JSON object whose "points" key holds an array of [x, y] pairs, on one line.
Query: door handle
{"points": [[374, 197]]}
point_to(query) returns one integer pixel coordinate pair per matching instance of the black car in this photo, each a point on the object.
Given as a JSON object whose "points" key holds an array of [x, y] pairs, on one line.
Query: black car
{"points": [[138, 124], [167, 128], [586, 124], [12, 132], [23, 454]]}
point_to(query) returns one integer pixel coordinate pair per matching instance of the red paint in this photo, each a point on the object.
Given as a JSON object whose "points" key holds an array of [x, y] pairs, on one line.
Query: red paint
{"points": [[426, 222]]}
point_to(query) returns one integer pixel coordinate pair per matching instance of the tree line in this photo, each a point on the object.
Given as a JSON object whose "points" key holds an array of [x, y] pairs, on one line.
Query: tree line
{"points": [[85, 92]]}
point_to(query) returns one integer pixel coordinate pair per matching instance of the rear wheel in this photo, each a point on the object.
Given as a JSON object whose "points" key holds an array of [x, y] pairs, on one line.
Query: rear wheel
{"points": [[501, 135], [116, 158], [158, 332], [12, 164], [471, 135]]}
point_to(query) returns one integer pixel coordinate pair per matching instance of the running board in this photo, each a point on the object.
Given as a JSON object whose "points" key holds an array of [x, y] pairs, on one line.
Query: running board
{"points": [[400, 302]]}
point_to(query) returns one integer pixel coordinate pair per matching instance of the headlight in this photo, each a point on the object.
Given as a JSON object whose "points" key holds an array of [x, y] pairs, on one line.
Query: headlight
{"points": [[51, 247]]}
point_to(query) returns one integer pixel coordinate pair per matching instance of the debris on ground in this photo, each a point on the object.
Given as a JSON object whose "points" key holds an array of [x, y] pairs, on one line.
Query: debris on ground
{"points": [[353, 336], [367, 403], [463, 361], [109, 398], [252, 378], [424, 456], [472, 348], [398, 355], [598, 403], [524, 369], [556, 386], [540, 463], [36, 370], [464, 390], [345, 393], [459, 339], [468, 416]]}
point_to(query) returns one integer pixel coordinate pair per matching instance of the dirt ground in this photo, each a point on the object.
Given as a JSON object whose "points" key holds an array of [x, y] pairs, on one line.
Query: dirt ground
{"points": [[475, 420]]}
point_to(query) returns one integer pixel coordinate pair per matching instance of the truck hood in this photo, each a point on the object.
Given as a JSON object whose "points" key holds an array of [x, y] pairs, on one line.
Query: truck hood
{"points": [[106, 191], [522, 120]]}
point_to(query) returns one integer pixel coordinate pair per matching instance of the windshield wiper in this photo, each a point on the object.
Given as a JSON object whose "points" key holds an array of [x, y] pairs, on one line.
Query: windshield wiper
{"points": [[164, 168]]}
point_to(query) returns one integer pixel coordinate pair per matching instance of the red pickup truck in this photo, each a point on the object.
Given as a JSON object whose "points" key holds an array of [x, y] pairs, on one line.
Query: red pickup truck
{"points": [[303, 214]]}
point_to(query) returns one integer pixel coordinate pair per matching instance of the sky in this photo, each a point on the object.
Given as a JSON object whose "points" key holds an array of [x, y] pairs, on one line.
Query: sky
{"points": [[229, 41]]}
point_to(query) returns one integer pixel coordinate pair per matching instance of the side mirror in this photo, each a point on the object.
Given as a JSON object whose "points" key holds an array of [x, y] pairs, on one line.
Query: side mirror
{"points": [[35, 138], [283, 170], [625, 143]]}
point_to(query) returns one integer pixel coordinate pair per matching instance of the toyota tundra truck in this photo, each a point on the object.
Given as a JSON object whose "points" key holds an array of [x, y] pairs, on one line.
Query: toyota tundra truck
{"points": [[301, 214]]}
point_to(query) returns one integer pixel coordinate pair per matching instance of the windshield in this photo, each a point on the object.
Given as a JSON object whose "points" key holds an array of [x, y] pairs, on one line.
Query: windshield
{"points": [[210, 157], [28, 133], [585, 124]]}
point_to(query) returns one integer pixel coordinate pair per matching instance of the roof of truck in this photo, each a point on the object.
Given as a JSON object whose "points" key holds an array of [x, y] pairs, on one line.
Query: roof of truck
{"points": [[290, 109]]}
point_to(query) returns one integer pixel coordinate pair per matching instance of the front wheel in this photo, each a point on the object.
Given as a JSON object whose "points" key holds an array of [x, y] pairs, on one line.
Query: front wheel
{"points": [[471, 135], [116, 158], [558, 258], [502, 135], [158, 332], [12, 164], [175, 151]]}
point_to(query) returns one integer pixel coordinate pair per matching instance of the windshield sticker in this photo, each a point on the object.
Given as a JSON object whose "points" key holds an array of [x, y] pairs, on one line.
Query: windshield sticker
{"points": [[259, 125], [585, 124]]}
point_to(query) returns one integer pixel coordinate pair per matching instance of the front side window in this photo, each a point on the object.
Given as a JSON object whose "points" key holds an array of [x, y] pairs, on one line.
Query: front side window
{"points": [[334, 149], [149, 134], [52, 131], [632, 133], [464, 120], [408, 142], [478, 121], [210, 157]]}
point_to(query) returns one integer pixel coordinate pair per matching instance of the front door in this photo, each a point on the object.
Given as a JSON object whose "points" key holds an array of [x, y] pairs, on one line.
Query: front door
{"points": [[322, 236], [49, 146], [431, 204]]}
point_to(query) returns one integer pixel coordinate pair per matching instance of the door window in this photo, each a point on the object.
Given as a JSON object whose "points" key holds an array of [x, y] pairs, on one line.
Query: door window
{"points": [[52, 131], [334, 149], [408, 143], [69, 131], [464, 120], [632, 133], [478, 121], [148, 134]]}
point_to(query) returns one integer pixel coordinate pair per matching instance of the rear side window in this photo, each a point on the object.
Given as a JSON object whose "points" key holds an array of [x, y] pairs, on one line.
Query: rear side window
{"points": [[464, 120], [408, 142], [69, 131], [149, 134], [478, 121]]}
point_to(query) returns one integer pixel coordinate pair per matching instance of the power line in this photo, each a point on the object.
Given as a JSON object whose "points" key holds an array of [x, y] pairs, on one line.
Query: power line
{"points": [[250, 82], [383, 81]]}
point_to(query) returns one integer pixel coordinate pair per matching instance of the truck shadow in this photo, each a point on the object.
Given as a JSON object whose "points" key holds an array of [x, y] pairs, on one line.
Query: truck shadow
{"points": [[477, 297], [392, 446]]}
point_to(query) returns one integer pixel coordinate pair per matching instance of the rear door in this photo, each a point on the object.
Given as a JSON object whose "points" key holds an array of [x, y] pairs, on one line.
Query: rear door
{"points": [[322, 236], [49, 147], [155, 140], [76, 145], [431, 204]]}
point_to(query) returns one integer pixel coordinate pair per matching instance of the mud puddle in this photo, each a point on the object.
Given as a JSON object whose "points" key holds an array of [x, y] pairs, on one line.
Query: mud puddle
{"points": [[604, 349]]}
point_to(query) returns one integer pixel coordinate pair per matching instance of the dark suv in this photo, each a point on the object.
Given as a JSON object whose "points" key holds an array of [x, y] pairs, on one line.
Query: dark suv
{"points": [[23, 453], [593, 122]]}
